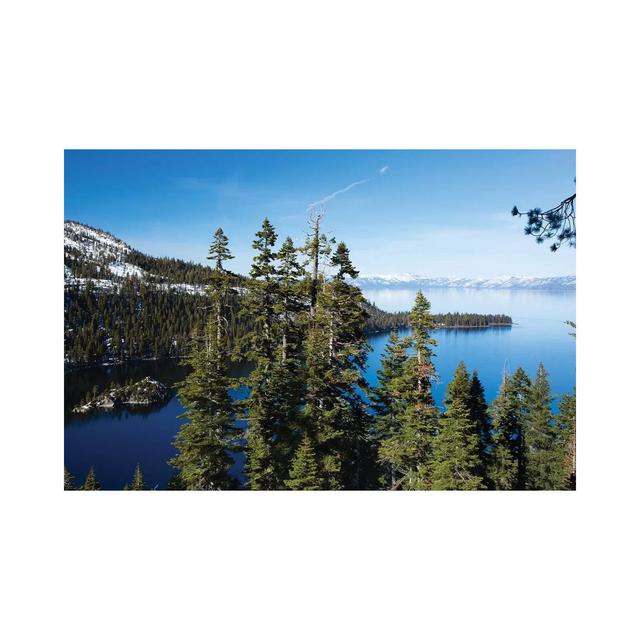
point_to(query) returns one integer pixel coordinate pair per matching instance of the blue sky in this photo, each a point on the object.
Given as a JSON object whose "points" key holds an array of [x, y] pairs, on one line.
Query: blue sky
{"points": [[434, 213]]}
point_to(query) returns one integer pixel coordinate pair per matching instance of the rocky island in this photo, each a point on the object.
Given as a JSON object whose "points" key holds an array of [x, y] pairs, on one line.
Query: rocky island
{"points": [[144, 392]]}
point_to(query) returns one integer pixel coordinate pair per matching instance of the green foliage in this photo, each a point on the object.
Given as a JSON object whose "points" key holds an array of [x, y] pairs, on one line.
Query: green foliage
{"points": [[380, 320], [545, 464], [91, 483], [219, 250], [133, 321], [334, 411], [69, 480], [390, 403], [210, 433], [479, 414], [138, 483], [407, 451], [175, 483], [274, 345], [203, 442], [456, 459], [566, 423], [288, 371], [305, 473], [508, 413], [262, 404]]}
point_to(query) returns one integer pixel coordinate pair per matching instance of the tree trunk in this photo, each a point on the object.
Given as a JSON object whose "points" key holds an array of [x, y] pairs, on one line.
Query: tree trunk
{"points": [[315, 262]]}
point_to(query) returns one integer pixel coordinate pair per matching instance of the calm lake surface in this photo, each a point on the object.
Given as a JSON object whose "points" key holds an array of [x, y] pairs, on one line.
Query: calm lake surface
{"points": [[115, 442]]}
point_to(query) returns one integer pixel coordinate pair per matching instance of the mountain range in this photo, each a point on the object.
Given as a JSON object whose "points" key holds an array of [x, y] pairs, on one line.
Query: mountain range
{"points": [[499, 282]]}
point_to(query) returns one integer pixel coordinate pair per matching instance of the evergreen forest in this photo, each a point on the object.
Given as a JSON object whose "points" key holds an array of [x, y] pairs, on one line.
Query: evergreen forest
{"points": [[310, 421]]}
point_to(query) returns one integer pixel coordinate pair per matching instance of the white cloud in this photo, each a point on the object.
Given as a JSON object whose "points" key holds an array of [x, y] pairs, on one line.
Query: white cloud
{"points": [[384, 169]]}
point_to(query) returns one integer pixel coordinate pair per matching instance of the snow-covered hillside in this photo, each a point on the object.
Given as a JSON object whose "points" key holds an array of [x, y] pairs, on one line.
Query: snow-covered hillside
{"points": [[501, 282], [99, 252], [96, 252], [94, 245]]}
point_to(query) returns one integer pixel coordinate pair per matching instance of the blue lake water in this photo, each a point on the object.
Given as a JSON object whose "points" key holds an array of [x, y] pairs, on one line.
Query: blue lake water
{"points": [[115, 443]]}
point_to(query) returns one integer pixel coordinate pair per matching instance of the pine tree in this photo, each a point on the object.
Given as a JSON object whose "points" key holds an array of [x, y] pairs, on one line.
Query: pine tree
{"points": [[304, 474], [456, 458], [566, 421], [545, 464], [389, 399], [69, 480], [263, 405], [508, 417], [289, 304], [336, 351], [479, 414], [204, 441], [138, 483], [91, 483], [175, 483], [289, 370], [219, 250], [409, 450], [520, 388]]}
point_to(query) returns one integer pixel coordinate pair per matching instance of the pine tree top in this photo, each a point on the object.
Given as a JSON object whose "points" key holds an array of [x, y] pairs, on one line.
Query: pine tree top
{"points": [[138, 483], [460, 386], [69, 480], [219, 249], [91, 483], [304, 474], [342, 260]]}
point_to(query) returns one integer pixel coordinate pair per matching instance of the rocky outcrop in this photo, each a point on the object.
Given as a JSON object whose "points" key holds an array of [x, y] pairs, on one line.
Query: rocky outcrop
{"points": [[143, 392]]}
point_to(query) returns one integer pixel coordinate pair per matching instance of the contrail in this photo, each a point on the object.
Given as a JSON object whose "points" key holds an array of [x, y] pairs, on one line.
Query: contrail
{"points": [[331, 196]]}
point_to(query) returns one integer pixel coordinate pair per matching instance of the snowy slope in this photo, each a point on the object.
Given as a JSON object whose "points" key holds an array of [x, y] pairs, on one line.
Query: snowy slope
{"points": [[108, 254], [97, 246]]}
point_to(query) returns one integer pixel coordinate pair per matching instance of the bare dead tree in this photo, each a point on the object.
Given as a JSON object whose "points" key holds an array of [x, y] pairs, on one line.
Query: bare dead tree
{"points": [[318, 249], [313, 250]]}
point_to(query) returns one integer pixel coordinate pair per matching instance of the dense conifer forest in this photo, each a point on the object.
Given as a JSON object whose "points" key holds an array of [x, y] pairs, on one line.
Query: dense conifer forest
{"points": [[310, 420], [136, 319]]}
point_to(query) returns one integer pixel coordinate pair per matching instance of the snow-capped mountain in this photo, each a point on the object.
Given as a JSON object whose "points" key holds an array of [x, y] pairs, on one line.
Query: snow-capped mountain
{"points": [[500, 282], [96, 255], [94, 244], [106, 253]]}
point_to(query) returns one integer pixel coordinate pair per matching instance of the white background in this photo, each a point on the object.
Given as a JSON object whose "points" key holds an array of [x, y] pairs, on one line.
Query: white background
{"points": [[314, 75]]}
